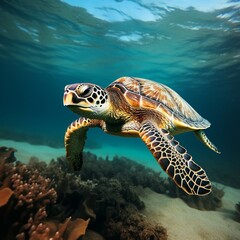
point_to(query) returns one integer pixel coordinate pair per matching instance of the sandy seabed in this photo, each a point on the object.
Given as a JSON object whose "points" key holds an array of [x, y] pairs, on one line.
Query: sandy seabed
{"points": [[181, 221], [185, 223]]}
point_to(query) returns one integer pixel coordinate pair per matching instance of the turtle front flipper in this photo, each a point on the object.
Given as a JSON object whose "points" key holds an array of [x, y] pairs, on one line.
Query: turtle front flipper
{"points": [[175, 160], [75, 137]]}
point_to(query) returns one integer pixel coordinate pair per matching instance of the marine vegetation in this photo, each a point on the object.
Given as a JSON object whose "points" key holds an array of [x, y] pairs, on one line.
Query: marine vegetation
{"points": [[42, 201], [123, 169], [49, 201], [136, 174], [27, 204]]}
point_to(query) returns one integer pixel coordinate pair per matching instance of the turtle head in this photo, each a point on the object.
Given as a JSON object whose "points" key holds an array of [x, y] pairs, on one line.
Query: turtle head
{"points": [[86, 99]]}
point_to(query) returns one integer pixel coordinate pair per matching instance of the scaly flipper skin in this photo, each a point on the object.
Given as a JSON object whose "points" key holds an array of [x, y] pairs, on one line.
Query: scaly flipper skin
{"points": [[75, 137], [175, 160], [200, 134]]}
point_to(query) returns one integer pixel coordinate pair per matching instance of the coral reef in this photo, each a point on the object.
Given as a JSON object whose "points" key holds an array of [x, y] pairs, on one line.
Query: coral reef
{"points": [[109, 202], [132, 173], [50, 201], [26, 197], [40, 201], [124, 170]]}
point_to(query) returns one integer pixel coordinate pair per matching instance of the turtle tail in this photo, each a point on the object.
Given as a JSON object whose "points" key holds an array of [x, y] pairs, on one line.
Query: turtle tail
{"points": [[200, 134]]}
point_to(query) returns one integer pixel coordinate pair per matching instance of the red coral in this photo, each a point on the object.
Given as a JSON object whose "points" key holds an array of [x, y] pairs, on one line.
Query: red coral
{"points": [[24, 197], [31, 189], [24, 194]]}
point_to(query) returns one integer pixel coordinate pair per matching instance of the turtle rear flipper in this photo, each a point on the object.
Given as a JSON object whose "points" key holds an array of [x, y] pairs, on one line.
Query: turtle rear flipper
{"points": [[175, 160], [75, 137], [200, 134]]}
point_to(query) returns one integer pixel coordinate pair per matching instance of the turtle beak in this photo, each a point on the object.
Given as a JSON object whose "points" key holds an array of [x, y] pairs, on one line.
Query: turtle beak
{"points": [[67, 99], [70, 98], [74, 103]]}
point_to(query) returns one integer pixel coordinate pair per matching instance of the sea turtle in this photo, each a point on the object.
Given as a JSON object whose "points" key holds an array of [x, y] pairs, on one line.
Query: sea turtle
{"points": [[142, 108]]}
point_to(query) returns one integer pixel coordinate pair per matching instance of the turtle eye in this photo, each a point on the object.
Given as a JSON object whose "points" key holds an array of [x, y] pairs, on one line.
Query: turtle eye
{"points": [[86, 91]]}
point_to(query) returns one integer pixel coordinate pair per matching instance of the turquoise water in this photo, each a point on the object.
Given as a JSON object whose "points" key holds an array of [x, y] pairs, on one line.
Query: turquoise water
{"points": [[193, 48]]}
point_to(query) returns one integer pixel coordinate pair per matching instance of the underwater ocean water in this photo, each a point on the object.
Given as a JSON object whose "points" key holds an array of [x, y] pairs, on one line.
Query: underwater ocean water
{"points": [[191, 46]]}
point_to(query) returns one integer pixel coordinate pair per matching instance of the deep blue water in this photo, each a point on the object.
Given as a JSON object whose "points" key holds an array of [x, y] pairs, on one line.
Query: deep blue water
{"points": [[194, 49]]}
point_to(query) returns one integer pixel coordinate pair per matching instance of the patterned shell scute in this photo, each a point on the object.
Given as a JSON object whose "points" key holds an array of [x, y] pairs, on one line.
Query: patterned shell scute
{"points": [[161, 98]]}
